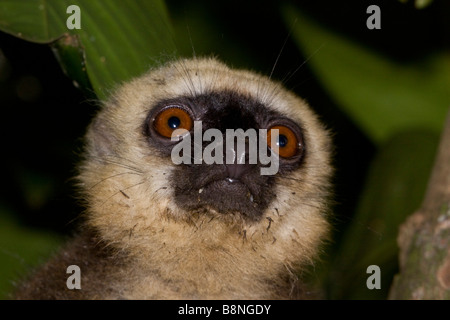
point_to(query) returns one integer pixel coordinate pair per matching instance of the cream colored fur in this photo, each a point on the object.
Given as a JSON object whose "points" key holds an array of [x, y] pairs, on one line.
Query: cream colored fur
{"points": [[197, 255]]}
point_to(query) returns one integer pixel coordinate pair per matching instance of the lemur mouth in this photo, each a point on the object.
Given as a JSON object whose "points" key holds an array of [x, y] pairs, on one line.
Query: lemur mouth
{"points": [[230, 190], [229, 187], [223, 191]]}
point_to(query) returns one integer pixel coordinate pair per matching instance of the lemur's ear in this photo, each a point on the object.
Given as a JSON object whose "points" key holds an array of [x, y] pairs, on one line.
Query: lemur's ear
{"points": [[101, 139]]}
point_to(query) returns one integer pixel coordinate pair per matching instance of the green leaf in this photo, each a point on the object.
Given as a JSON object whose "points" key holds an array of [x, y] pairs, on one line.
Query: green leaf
{"points": [[70, 55], [118, 39], [21, 249], [381, 96], [394, 189]]}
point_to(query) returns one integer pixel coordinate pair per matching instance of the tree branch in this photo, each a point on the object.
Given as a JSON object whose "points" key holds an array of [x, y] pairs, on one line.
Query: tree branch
{"points": [[424, 239]]}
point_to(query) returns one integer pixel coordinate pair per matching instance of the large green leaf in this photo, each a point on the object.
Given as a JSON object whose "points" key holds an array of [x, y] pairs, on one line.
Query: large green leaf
{"points": [[117, 40], [381, 96], [20, 249], [394, 189]]}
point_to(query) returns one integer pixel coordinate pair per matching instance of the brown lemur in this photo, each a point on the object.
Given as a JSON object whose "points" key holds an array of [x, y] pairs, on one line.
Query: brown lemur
{"points": [[155, 229]]}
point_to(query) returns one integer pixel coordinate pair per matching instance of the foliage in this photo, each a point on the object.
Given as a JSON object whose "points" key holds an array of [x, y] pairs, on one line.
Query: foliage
{"points": [[118, 40], [383, 97]]}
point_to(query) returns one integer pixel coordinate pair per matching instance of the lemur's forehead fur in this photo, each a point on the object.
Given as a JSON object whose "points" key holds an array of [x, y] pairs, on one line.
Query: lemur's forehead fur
{"points": [[140, 201]]}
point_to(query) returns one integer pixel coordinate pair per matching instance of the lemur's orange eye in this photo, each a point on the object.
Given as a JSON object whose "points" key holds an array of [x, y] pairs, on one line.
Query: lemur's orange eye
{"points": [[170, 119], [288, 144]]}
